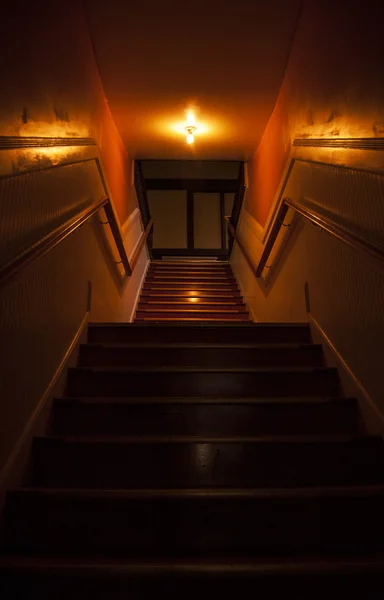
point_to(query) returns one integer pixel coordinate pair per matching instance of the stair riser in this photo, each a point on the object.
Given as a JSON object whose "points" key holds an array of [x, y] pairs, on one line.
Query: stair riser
{"points": [[174, 315], [160, 277], [177, 527], [200, 334], [321, 382], [189, 286], [183, 297], [207, 464], [190, 273], [76, 418], [119, 583], [191, 306], [301, 356]]}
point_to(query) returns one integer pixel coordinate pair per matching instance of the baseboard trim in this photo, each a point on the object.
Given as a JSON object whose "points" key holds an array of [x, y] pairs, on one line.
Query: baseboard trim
{"points": [[132, 315], [26, 437], [373, 418], [130, 221]]}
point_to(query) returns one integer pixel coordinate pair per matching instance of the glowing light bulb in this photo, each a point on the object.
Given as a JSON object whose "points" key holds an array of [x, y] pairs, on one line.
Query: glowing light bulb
{"points": [[190, 130]]}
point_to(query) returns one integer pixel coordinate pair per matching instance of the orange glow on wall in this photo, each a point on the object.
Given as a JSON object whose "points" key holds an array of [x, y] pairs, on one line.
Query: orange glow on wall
{"points": [[331, 89], [267, 165], [117, 165], [54, 90]]}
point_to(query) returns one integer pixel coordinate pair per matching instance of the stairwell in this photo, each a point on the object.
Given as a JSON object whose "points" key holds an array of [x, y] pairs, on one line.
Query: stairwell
{"points": [[200, 458]]}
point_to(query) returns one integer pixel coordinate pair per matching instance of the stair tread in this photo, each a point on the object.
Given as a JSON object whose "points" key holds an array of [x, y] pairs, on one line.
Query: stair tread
{"points": [[285, 400], [250, 346], [203, 439], [192, 309], [190, 319], [121, 325], [214, 493], [183, 369], [213, 564]]}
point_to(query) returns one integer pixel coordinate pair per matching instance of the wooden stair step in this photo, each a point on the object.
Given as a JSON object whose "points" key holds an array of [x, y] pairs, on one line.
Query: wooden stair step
{"points": [[204, 417], [203, 310], [188, 522], [262, 333], [230, 292], [201, 355], [191, 462], [190, 272], [193, 304], [194, 319], [332, 577], [191, 276], [190, 283], [199, 315], [202, 382], [184, 295]]}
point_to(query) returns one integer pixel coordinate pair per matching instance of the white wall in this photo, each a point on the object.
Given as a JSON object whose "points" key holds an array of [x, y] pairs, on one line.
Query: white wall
{"points": [[42, 309], [345, 288]]}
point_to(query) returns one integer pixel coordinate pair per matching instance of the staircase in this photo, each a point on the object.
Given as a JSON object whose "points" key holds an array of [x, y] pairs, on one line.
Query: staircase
{"points": [[199, 460], [191, 291]]}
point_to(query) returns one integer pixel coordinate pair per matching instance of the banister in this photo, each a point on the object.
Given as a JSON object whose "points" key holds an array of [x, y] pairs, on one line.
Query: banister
{"points": [[232, 231], [117, 236], [141, 244], [338, 231], [56, 236], [48, 242]]}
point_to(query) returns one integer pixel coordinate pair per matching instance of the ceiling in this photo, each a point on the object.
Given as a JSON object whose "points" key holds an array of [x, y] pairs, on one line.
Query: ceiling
{"points": [[225, 60]]}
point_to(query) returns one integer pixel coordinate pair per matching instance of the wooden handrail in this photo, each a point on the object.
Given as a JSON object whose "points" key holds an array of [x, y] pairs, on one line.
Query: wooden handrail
{"points": [[141, 244], [56, 236], [118, 237], [232, 231], [337, 231], [48, 242]]}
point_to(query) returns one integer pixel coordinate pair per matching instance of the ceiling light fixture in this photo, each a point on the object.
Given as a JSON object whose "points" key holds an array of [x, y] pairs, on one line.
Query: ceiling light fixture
{"points": [[190, 130]]}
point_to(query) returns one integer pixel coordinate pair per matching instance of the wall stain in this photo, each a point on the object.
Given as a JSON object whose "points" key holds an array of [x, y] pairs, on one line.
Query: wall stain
{"points": [[378, 128], [61, 115], [333, 115]]}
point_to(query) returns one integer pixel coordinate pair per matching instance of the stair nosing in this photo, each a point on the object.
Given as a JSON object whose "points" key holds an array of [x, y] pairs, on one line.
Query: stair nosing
{"points": [[197, 369], [255, 326], [262, 440], [324, 491], [199, 346], [214, 565], [145, 400]]}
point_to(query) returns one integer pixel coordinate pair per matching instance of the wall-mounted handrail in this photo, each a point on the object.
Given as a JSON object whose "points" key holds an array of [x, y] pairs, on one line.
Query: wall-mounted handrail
{"points": [[141, 244], [234, 235], [39, 248], [338, 231], [117, 236], [48, 242]]}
